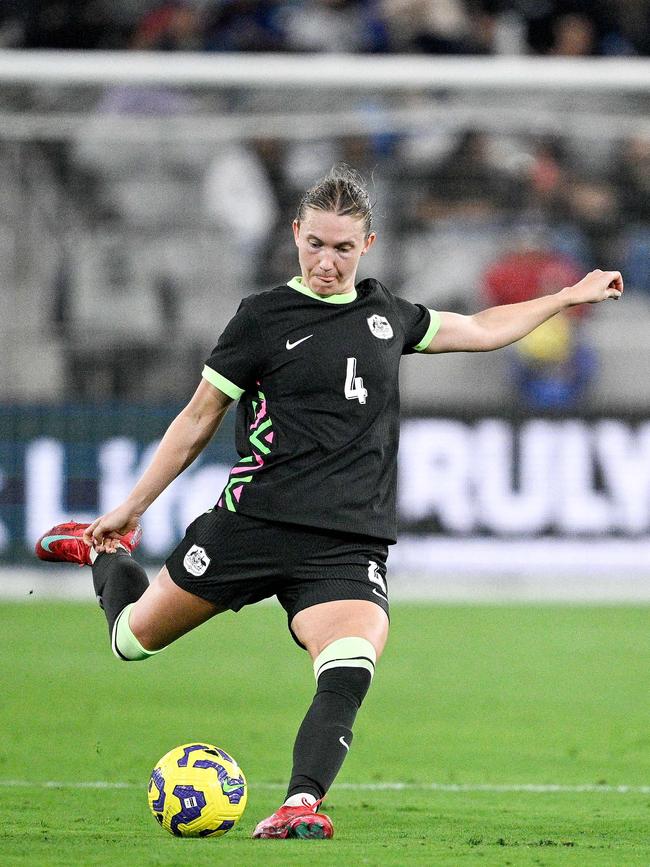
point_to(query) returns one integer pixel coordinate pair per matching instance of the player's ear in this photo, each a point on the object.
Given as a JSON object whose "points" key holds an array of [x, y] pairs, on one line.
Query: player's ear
{"points": [[370, 240], [296, 230]]}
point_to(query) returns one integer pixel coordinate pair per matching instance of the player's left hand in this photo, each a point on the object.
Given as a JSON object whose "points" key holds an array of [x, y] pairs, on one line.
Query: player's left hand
{"points": [[596, 286]]}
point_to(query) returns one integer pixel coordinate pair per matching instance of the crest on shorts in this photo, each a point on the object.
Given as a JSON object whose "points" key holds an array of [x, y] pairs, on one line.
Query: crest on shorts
{"points": [[380, 326], [196, 561]]}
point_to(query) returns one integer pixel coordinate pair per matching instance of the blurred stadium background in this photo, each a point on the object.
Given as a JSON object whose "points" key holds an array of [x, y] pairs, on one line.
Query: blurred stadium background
{"points": [[151, 159]]}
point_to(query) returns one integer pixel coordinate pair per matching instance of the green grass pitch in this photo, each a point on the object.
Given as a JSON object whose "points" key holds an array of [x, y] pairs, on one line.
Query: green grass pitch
{"points": [[467, 699]]}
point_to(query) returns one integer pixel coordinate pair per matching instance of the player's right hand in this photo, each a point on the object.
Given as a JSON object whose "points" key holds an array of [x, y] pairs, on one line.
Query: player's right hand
{"points": [[104, 533]]}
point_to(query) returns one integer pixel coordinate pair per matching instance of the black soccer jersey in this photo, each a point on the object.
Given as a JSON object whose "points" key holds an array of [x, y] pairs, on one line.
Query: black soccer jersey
{"points": [[318, 414]]}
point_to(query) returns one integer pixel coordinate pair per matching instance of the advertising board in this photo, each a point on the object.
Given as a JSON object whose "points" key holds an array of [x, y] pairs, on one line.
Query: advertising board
{"points": [[483, 494]]}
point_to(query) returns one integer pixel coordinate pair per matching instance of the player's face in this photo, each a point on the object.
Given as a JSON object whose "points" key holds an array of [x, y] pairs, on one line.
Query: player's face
{"points": [[329, 248]]}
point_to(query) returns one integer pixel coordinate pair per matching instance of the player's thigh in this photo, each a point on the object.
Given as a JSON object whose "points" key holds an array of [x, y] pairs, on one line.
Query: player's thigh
{"points": [[319, 625], [165, 611]]}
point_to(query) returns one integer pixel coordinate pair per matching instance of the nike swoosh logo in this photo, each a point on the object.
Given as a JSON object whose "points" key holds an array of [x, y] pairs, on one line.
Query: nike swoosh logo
{"points": [[342, 741], [381, 595], [47, 541], [291, 345], [232, 787]]}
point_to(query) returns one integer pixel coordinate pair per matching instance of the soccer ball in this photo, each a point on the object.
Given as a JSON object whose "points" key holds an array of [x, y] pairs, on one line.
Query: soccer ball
{"points": [[197, 790]]}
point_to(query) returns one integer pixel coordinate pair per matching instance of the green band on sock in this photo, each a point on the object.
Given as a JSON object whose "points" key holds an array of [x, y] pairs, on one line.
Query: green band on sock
{"points": [[125, 645], [346, 653]]}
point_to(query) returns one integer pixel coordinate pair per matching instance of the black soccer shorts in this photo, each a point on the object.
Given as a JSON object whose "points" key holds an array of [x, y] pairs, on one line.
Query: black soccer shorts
{"points": [[233, 560]]}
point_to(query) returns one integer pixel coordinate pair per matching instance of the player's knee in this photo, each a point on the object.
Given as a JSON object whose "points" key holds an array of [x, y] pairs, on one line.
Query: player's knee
{"points": [[125, 644], [346, 666]]}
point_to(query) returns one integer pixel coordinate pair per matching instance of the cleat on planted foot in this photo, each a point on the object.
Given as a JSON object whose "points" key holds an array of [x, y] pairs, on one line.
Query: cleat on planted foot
{"points": [[302, 822]]}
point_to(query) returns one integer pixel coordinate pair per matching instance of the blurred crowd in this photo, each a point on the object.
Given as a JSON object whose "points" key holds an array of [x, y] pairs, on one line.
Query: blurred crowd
{"points": [[547, 27], [465, 218], [176, 229]]}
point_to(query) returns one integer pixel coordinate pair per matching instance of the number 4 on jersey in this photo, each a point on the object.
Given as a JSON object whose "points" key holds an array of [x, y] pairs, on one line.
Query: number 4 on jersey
{"points": [[354, 389]]}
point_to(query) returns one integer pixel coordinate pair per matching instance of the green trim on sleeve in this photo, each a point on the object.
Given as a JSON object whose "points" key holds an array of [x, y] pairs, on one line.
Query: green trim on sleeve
{"points": [[222, 383], [432, 330], [343, 298]]}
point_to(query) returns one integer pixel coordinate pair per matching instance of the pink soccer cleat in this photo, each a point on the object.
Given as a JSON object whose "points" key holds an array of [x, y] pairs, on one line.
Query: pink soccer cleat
{"points": [[64, 543], [302, 821]]}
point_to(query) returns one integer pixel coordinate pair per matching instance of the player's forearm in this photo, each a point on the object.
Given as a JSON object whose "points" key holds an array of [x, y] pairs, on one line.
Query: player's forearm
{"points": [[183, 441], [503, 325], [500, 326]]}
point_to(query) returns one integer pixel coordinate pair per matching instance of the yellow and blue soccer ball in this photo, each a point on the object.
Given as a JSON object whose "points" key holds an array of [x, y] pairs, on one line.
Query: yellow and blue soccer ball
{"points": [[197, 790]]}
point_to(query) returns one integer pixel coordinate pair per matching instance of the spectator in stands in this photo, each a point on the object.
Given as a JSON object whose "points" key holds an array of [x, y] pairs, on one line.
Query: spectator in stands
{"points": [[573, 36], [452, 215], [240, 200], [528, 270], [580, 28], [445, 27], [594, 205], [635, 248], [335, 25], [634, 34], [632, 176], [468, 182], [633, 181], [169, 26], [553, 367], [12, 26], [561, 27], [69, 24], [244, 25], [545, 176]]}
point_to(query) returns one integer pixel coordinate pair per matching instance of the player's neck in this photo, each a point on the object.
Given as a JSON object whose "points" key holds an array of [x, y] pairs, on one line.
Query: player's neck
{"points": [[345, 297]]}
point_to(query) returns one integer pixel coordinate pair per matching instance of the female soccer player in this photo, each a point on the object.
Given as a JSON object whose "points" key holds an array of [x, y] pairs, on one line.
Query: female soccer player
{"points": [[308, 511]]}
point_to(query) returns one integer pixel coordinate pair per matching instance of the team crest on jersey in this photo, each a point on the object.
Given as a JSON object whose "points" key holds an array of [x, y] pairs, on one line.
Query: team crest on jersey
{"points": [[196, 561], [380, 326]]}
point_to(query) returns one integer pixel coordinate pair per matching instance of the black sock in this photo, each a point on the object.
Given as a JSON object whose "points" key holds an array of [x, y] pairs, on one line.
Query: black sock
{"points": [[118, 580], [325, 735]]}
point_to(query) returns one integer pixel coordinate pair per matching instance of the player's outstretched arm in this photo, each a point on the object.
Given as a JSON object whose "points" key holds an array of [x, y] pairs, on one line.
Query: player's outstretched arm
{"points": [[499, 326], [183, 441]]}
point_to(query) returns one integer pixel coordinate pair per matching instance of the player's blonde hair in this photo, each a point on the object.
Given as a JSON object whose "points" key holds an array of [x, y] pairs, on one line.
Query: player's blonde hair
{"points": [[342, 191]]}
